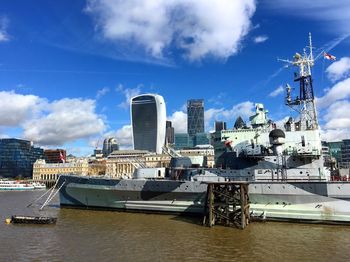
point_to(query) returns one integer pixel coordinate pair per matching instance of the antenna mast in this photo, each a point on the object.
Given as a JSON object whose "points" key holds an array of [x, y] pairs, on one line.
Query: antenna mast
{"points": [[305, 102]]}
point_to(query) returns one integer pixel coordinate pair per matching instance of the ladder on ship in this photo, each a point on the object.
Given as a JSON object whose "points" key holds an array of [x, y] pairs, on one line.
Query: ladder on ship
{"points": [[281, 167]]}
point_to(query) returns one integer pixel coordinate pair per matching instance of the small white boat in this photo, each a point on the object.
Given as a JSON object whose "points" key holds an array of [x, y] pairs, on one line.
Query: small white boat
{"points": [[38, 185], [15, 185]]}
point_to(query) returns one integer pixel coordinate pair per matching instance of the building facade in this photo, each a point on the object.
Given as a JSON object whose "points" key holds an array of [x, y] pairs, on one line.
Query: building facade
{"points": [[109, 145], [219, 126], [184, 140], [97, 167], [201, 139], [43, 171], [170, 133], [195, 116], [345, 154], [122, 164], [55, 155], [335, 149], [148, 121], [17, 157]]}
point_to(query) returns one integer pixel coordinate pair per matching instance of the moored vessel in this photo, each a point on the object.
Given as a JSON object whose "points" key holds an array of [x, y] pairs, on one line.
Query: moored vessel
{"points": [[38, 185], [283, 165], [15, 185]]}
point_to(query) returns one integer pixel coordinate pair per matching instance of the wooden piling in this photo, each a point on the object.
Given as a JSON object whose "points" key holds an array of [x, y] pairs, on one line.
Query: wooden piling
{"points": [[227, 203]]}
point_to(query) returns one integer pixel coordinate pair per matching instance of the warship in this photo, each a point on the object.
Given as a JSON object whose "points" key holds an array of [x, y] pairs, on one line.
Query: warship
{"points": [[284, 167]]}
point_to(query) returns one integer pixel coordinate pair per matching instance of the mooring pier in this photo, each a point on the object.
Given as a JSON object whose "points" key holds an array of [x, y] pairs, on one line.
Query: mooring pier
{"points": [[227, 203]]}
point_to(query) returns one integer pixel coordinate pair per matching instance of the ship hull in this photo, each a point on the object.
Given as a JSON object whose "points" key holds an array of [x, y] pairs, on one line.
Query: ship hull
{"points": [[321, 202], [133, 195]]}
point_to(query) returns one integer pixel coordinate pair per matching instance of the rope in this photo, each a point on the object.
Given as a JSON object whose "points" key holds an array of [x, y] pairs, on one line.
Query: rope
{"points": [[52, 196], [49, 190]]}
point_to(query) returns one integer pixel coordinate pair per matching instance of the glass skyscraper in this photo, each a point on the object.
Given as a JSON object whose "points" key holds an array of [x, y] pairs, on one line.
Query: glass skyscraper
{"points": [[183, 140], [195, 116], [148, 120], [17, 157]]}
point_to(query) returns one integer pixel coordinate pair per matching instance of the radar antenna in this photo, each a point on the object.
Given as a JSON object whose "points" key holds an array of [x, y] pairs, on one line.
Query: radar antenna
{"points": [[304, 103]]}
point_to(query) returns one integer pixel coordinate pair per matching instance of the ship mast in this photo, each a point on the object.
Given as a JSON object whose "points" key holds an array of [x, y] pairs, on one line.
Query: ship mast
{"points": [[304, 103]]}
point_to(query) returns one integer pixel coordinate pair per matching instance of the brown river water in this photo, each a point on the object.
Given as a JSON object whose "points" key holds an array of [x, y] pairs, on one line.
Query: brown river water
{"points": [[85, 235]]}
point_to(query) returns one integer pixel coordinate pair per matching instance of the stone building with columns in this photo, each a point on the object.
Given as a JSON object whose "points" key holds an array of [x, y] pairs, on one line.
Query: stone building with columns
{"points": [[43, 171], [122, 163]]}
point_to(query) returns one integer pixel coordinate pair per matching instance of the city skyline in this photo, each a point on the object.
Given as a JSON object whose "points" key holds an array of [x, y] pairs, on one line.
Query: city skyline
{"points": [[68, 70]]}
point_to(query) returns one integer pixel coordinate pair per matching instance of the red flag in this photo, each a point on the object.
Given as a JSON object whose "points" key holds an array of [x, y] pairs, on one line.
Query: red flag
{"points": [[62, 158], [329, 56]]}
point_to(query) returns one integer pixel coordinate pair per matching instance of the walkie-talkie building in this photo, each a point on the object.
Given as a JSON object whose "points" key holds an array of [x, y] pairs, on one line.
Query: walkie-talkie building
{"points": [[148, 120], [195, 116]]}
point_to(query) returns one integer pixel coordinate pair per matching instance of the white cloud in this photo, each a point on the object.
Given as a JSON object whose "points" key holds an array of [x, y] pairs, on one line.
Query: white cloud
{"points": [[335, 134], [50, 123], [338, 109], [339, 91], [334, 112], [124, 137], [337, 115], [128, 93], [16, 108], [261, 39], [339, 69], [102, 92], [334, 14], [179, 121], [279, 90], [244, 109], [211, 115], [4, 136], [198, 28], [3, 29], [67, 120]]}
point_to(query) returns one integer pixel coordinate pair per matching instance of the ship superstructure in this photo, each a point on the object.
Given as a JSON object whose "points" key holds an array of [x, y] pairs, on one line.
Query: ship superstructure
{"points": [[266, 151]]}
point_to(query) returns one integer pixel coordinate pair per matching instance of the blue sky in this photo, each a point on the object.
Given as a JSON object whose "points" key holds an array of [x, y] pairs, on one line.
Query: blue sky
{"points": [[68, 68]]}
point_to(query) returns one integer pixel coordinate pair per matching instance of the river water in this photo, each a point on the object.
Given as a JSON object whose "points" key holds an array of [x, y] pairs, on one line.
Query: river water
{"points": [[85, 235]]}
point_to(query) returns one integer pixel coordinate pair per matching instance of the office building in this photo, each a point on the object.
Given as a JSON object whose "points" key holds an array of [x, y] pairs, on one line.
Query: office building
{"points": [[55, 155], [184, 140], [109, 145], [169, 133], [17, 157], [345, 154], [335, 149], [201, 139], [219, 126], [148, 120], [195, 116]]}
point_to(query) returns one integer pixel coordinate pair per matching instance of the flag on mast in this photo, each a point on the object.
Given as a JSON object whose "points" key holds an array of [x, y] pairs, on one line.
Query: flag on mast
{"points": [[62, 158], [329, 56]]}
